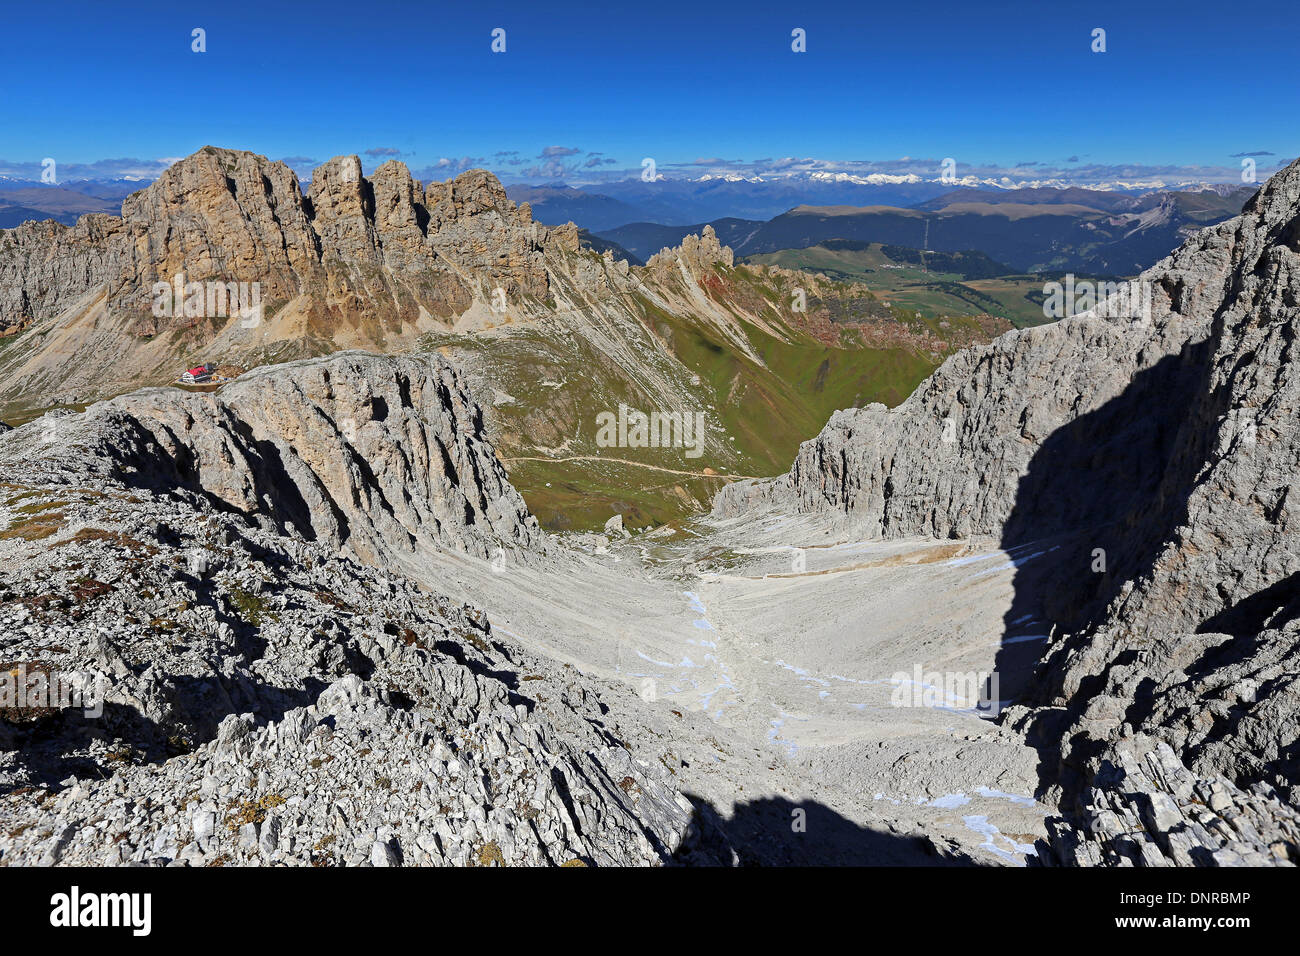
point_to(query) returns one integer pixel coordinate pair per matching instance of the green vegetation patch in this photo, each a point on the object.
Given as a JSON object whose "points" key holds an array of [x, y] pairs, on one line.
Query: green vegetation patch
{"points": [[253, 608]]}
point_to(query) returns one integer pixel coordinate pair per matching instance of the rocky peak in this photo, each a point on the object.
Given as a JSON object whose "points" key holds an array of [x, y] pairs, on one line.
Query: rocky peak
{"points": [[398, 199], [343, 213], [697, 253], [219, 213], [380, 248], [472, 193]]}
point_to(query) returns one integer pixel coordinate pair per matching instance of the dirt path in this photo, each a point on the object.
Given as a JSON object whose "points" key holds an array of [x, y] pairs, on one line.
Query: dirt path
{"points": [[639, 464]]}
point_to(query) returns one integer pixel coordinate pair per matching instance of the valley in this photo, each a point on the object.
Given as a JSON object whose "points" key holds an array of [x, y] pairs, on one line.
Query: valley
{"points": [[798, 677]]}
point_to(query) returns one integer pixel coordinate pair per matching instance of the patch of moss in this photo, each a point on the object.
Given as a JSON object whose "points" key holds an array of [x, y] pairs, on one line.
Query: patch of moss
{"points": [[87, 589], [477, 641], [253, 608], [490, 853], [26, 714], [113, 538], [37, 507], [123, 754], [22, 496], [252, 811]]}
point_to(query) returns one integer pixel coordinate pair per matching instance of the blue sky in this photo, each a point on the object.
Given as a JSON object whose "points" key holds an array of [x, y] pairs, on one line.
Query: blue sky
{"points": [[590, 89]]}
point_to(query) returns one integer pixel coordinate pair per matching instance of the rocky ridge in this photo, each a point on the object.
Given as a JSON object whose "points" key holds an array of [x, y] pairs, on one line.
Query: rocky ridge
{"points": [[364, 453], [381, 244]]}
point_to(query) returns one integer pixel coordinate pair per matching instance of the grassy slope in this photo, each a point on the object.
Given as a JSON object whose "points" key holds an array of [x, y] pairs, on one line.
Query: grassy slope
{"points": [[764, 408], [771, 408]]}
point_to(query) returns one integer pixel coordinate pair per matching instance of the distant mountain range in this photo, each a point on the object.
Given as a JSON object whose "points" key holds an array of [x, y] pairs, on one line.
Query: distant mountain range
{"points": [[682, 201], [1031, 230]]}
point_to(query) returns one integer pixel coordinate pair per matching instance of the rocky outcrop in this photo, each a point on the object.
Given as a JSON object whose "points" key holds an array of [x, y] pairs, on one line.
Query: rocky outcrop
{"points": [[376, 455], [46, 266], [697, 253], [381, 245], [1145, 808], [1158, 449]]}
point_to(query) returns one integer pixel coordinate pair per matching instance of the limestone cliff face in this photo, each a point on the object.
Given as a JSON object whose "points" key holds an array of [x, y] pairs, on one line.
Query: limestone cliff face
{"points": [[1165, 446], [380, 455], [378, 245], [219, 215], [46, 266]]}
